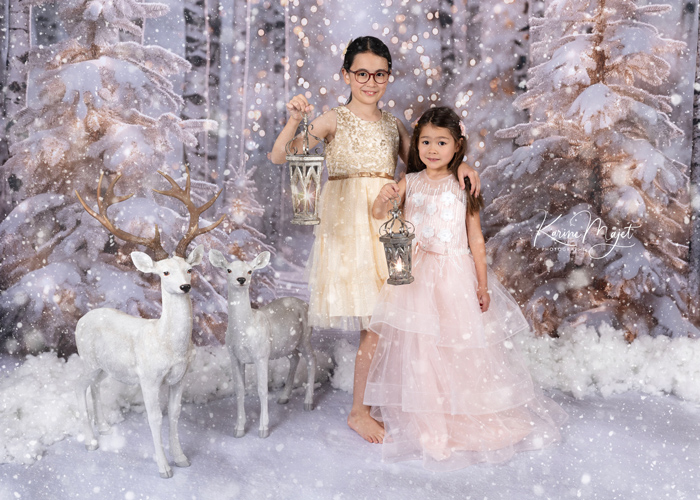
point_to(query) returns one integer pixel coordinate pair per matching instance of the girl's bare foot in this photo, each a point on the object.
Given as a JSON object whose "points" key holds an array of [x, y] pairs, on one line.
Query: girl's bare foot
{"points": [[370, 430]]}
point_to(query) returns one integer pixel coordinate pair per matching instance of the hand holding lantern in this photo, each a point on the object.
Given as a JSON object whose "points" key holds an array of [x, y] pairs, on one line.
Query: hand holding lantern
{"points": [[397, 234]]}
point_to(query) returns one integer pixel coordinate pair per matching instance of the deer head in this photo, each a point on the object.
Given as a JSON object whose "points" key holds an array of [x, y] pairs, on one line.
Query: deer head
{"points": [[175, 273]]}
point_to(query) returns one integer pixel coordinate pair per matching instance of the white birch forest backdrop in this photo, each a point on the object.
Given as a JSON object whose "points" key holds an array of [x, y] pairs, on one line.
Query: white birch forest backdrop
{"points": [[577, 111]]}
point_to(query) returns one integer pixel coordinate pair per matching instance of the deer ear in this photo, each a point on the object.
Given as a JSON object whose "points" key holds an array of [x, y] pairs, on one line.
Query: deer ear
{"points": [[142, 262], [196, 256], [217, 259], [260, 261]]}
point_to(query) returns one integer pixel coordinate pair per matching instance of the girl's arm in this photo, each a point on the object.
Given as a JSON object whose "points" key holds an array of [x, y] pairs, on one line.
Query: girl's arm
{"points": [[404, 141], [478, 248], [392, 190], [322, 127], [467, 171]]}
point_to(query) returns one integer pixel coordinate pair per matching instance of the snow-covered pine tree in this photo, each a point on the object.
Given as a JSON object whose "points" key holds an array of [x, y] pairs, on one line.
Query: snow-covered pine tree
{"points": [[594, 216], [88, 116]]}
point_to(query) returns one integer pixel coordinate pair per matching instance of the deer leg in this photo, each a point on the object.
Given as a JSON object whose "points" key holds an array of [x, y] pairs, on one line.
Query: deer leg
{"points": [[150, 390], [239, 383], [310, 369], [289, 383], [84, 385], [102, 425], [261, 371], [174, 407]]}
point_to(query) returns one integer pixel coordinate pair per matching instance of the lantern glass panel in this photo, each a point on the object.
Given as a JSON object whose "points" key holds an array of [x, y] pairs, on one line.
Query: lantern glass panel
{"points": [[397, 236], [305, 175]]}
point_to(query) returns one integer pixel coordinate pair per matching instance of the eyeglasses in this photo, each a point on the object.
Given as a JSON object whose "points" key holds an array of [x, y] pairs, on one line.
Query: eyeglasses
{"points": [[363, 76]]}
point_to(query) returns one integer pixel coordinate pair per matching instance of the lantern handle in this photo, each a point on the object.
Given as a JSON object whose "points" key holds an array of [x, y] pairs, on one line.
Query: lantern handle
{"points": [[405, 227], [305, 134]]}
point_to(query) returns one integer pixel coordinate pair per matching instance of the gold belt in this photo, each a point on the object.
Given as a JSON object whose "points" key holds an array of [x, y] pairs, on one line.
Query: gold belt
{"points": [[360, 174]]}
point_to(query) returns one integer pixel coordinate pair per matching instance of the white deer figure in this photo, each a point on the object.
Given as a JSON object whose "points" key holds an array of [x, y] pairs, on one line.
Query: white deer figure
{"points": [[135, 350], [256, 336]]}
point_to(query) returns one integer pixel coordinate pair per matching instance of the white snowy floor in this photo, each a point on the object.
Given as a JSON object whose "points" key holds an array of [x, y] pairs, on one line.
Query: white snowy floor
{"points": [[625, 447]]}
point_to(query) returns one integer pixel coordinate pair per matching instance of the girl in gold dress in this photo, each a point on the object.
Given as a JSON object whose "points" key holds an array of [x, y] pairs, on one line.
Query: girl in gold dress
{"points": [[347, 265]]}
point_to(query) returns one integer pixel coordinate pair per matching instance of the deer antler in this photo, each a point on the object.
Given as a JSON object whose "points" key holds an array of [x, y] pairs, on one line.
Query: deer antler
{"points": [[184, 196], [109, 199]]}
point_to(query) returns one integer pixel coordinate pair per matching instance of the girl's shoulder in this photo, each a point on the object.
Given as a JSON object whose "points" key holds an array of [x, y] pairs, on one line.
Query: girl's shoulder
{"points": [[388, 116], [411, 179], [325, 125], [412, 175]]}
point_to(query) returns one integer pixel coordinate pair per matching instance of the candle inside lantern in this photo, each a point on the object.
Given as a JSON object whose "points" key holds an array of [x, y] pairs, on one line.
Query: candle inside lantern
{"points": [[399, 265]]}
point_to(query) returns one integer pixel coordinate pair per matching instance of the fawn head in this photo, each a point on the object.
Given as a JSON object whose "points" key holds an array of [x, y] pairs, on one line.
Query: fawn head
{"points": [[239, 271]]}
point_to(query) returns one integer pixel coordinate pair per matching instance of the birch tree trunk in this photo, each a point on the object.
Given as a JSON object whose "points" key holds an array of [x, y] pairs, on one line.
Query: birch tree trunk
{"points": [[196, 92], [215, 111], [236, 104], [19, 41], [225, 89], [4, 19], [452, 21], [694, 277], [523, 48], [47, 28], [272, 179], [14, 91], [473, 35]]}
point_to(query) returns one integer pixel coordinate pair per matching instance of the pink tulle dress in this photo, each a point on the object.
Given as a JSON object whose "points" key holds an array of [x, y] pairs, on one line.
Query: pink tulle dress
{"points": [[446, 379]]}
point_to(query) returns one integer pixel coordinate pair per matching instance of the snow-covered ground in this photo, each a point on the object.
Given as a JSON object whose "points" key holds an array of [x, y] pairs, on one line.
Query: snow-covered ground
{"points": [[626, 446], [625, 439]]}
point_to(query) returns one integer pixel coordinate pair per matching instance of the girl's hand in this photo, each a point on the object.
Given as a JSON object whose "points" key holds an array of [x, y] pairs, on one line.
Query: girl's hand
{"points": [[484, 297], [389, 192], [465, 170], [298, 106]]}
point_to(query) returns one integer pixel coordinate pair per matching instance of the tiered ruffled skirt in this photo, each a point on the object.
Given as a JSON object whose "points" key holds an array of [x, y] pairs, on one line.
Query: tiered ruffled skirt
{"points": [[446, 379], [347, 267]]}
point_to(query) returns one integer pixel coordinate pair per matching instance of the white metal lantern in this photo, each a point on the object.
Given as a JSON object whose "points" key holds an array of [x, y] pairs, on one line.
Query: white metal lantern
{"points": [[397, 236], [305, 174]]}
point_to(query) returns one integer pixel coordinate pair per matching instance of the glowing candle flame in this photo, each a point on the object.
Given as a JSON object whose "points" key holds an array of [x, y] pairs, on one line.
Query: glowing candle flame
{"points": [[399, 265]]}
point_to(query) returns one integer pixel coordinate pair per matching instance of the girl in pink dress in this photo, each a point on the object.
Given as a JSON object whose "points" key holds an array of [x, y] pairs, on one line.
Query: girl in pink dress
{"points": [[446, 378]]}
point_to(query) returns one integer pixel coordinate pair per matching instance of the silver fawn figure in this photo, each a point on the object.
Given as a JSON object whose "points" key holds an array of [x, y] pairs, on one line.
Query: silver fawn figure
{"points": [[135, 350], [256, 336]]}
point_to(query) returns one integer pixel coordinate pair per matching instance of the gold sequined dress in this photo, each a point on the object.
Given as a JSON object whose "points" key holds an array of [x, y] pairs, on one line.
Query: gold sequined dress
{"points": [[347, 267]]}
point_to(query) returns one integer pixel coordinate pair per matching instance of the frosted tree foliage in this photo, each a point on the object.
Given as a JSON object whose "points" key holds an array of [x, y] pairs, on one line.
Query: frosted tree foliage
{"points": [[99, 105], [590, 208]]}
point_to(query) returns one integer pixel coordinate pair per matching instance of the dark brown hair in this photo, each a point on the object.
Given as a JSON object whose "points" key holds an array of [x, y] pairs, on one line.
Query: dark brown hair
{"points": [[444, 117], [363, 45]]}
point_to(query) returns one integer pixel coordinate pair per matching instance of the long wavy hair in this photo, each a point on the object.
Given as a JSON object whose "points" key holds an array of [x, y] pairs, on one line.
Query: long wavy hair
{"points": [[444, 117], [363, 45]]}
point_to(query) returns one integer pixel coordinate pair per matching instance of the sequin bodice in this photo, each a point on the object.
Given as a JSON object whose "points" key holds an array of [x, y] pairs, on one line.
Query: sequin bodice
{"points": [[438, 210], [362, 146]]}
